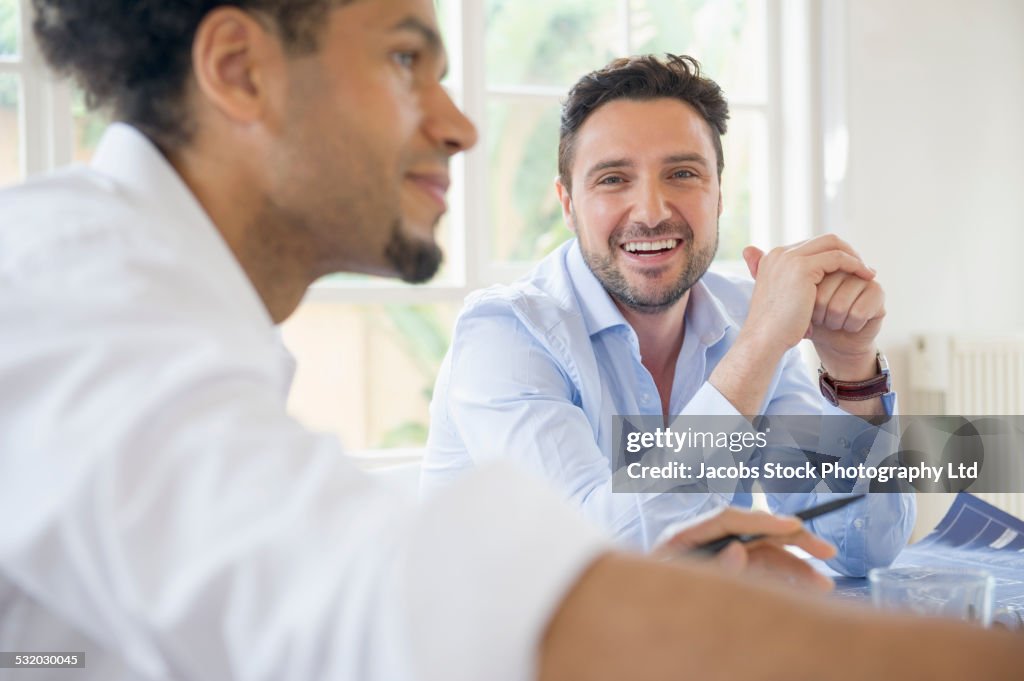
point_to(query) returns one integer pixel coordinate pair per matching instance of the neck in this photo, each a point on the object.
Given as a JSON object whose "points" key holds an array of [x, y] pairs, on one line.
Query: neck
{"points": [[265, 242], [660, 335]]}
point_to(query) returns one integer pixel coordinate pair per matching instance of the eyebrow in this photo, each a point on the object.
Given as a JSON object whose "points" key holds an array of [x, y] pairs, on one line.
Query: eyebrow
{"points": [[627, 163], [429, 34]]}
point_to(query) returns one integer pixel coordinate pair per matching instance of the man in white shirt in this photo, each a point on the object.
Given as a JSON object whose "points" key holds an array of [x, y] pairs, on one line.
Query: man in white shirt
{"points": [[161, 511]]}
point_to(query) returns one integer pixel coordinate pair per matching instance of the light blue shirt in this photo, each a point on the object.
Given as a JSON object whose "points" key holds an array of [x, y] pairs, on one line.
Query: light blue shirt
{"points": [[537, 370]]}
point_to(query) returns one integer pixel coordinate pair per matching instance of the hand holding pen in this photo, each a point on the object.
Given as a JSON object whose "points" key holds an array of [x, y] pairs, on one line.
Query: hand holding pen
{"points": [[740, 540]]}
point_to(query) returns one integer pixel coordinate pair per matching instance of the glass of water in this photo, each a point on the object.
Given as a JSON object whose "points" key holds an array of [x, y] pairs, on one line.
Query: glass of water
{"points": [[963, 594]]}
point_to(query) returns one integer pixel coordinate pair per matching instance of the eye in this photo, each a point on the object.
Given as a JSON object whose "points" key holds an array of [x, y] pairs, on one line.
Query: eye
{"points": [[611, 179], [683, 174], [406, 59]]}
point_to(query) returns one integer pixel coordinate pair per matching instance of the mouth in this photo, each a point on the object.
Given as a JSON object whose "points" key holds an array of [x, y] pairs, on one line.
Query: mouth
{"points": [[652, 250], [433, 185]]}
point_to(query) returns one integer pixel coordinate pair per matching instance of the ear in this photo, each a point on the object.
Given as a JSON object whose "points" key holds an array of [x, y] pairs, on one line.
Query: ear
{"points": [[233, 56], [565, 198], [720, 205]]}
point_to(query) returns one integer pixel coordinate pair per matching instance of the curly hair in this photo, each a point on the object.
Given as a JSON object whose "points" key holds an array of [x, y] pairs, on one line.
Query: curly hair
{"points": [[134, 56], [641, 78]]}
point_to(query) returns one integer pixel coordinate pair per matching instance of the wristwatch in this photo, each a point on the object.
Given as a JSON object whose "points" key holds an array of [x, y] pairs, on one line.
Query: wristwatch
{"points": [[834, 390]]}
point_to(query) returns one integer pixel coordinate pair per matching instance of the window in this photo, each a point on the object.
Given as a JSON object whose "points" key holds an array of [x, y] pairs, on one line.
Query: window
{"points": [[369, 349], [44, 122], [512, 62]]}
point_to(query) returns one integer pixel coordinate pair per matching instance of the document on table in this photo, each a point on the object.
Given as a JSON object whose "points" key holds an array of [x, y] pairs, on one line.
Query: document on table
{"points": [[973, 534]]}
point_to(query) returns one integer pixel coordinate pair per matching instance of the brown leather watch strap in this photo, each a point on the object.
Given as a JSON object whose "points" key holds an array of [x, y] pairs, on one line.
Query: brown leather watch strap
{"points": [[834, 390]]}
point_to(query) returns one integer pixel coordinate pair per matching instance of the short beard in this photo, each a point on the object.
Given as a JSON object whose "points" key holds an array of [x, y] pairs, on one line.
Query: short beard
{"points": [[415, 260], [611, 278]]}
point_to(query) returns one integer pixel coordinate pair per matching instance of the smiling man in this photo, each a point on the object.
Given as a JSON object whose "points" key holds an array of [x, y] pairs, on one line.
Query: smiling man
{"points": [[163, 514], [626, 319]]}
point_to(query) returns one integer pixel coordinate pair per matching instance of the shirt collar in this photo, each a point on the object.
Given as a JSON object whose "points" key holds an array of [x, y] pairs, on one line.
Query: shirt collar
{"points": [[705, 315], [128, 158], [598, 309]]}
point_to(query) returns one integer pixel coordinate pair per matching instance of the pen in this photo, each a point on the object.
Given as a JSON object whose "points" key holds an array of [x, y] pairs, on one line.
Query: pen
{"points": [[713, 547]]}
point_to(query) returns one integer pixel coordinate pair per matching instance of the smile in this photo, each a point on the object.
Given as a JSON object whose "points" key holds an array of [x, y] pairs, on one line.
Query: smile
{"points": [[650, 248], [434, 186]]}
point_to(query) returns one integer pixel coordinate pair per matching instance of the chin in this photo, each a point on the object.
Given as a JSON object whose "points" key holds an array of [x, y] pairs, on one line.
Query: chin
{"points": [[415, 259], [421, 229]]}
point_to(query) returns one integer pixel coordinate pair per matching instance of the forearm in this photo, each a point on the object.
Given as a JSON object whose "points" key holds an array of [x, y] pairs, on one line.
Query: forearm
{"points": [[745, 373], [632, 618]]}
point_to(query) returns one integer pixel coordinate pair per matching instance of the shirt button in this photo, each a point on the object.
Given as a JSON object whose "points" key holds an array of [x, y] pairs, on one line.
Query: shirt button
{"points": [[645, 398], [858, 523], [844, 443]]}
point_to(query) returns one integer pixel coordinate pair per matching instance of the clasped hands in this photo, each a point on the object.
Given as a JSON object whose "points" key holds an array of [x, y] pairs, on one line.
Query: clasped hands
{"points": [[819, 289]]}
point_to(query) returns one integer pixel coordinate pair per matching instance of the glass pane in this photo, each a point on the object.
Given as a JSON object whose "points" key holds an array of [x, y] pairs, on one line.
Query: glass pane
{"points": [[726, 36], [366, 372], [10, 28], [88, 126], [10, 129], [446, 21], [522, 141], [445, 10], [744, 185], [549, 43]]}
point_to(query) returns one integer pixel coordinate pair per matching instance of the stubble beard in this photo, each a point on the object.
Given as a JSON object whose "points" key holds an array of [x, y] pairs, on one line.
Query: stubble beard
{"points": [[607, 271]]}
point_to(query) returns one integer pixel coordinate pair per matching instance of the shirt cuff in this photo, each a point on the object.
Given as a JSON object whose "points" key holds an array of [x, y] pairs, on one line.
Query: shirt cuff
{"points": [[488, 564], [709, 402]]}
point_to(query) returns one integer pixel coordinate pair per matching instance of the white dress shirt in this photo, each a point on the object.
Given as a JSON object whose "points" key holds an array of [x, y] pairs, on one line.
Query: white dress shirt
{"points": [[163, 514]]}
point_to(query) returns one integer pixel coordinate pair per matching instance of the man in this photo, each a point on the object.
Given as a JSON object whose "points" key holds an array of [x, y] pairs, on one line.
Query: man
{"points": [[163, 514], [626, 320]]}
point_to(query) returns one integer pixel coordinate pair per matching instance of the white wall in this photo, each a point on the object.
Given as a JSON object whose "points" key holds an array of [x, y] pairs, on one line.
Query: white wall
{"points": [[934, 189], [935, 178]]}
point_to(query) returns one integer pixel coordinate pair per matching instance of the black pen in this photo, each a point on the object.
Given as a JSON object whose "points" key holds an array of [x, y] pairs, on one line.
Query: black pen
{"points": [[713, 547]]}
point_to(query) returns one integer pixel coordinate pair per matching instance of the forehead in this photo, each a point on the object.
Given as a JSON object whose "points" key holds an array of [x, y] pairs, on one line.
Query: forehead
{"points": [[636, 129], [368, 20]]}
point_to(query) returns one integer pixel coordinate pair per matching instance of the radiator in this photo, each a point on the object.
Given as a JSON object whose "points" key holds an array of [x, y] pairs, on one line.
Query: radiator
{"points": [[970, 376]]}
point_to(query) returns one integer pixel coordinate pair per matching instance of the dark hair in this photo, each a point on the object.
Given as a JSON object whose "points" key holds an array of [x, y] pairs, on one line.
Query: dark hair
{"points": [[135, 56], [641, 78]]}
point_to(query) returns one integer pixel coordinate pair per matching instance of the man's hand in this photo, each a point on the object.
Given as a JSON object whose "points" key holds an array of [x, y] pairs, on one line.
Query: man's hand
{"points": [[766, 556], [844, 315], [801, 291]]}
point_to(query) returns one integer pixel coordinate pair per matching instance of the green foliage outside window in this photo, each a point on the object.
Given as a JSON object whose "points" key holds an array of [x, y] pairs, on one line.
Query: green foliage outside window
{"points": [[8, 47], [8, 27]]}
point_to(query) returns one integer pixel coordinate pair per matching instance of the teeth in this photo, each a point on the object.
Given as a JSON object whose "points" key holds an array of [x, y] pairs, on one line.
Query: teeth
{"points": [[635, 246]]}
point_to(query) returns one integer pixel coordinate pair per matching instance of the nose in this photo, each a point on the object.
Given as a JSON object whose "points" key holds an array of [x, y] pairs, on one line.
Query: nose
{"points": [[447, 126], [651, 208]]}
